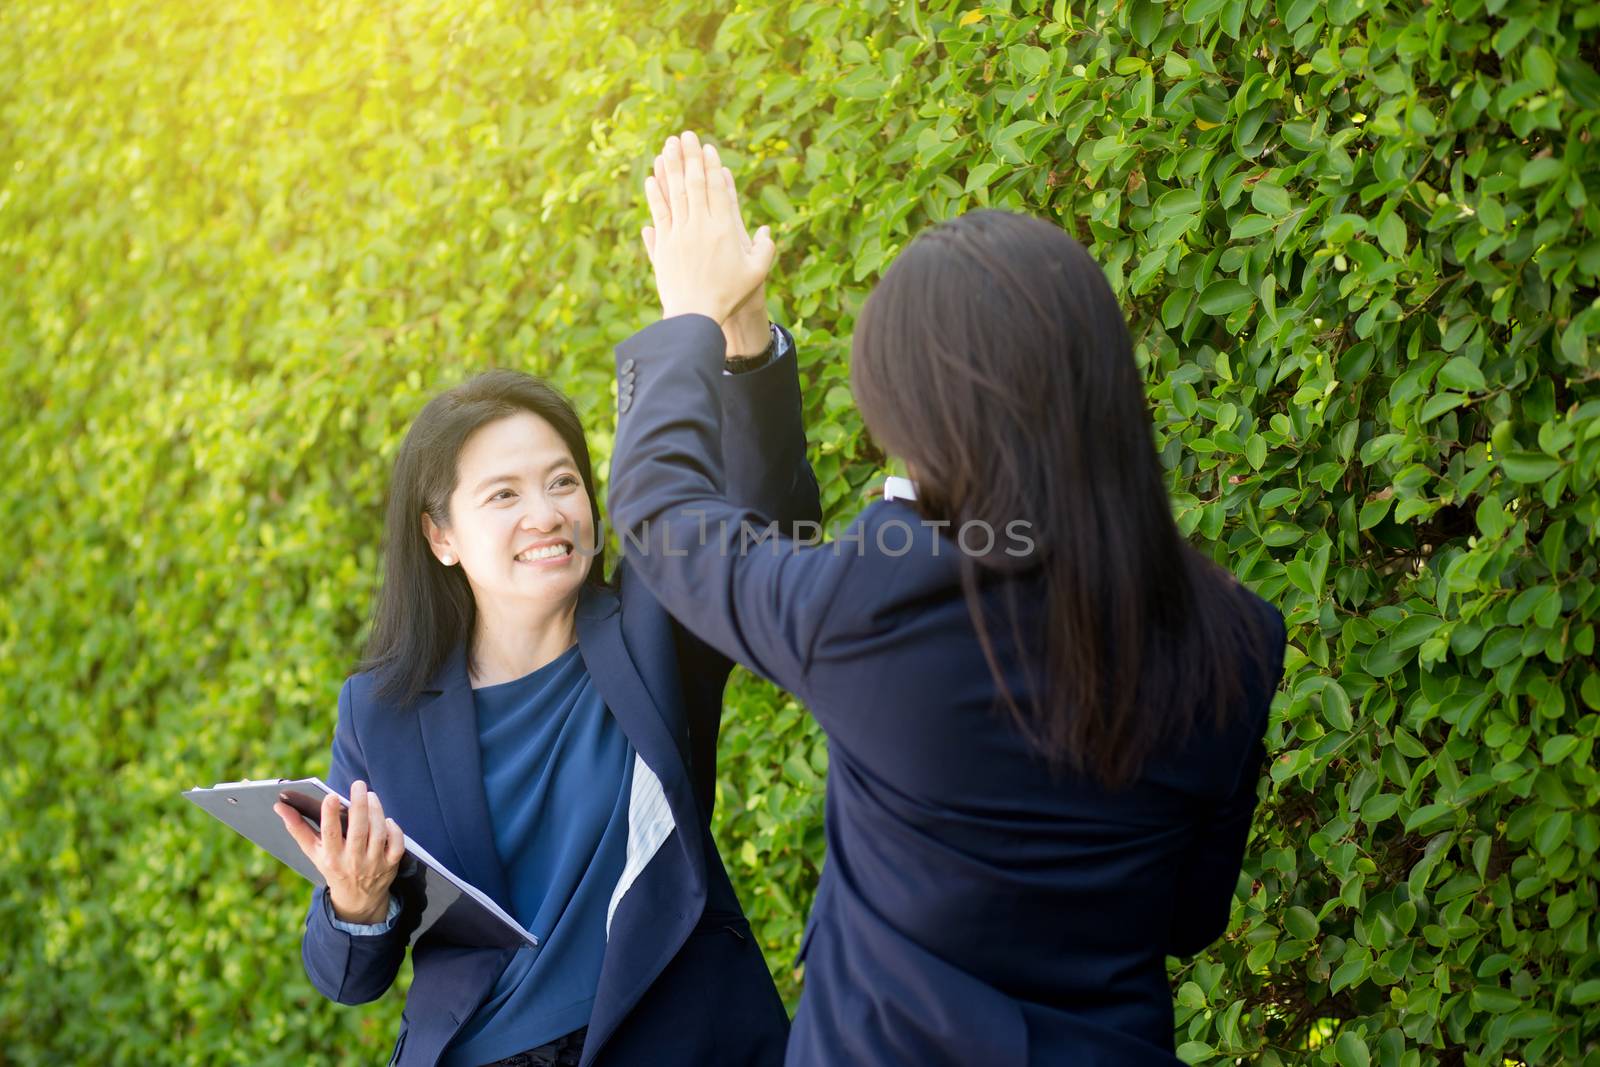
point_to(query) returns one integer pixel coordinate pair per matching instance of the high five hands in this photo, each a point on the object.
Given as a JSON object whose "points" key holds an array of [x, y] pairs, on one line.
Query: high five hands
{"points": [[705, 261]]}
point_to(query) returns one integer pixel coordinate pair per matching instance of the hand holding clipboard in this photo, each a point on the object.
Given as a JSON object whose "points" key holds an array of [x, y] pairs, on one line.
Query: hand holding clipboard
{"points": [[452, 909], [357, 852]]}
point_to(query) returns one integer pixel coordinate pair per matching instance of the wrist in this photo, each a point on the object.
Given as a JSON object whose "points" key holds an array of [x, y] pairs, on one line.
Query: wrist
{"points": [[748, 339], [361, 913], [672, 311]]}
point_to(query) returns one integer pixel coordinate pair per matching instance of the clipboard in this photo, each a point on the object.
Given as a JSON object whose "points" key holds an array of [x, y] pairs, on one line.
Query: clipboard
{"points": [[456, 910]]}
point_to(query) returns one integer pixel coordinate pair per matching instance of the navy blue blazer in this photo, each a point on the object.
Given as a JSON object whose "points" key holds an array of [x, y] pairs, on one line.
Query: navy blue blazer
{"points": [[683, 980], [974, 908]]}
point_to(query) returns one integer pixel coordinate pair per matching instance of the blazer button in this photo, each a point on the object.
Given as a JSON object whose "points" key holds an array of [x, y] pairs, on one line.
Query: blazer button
{"points": [[625, 403], [627, 366]]}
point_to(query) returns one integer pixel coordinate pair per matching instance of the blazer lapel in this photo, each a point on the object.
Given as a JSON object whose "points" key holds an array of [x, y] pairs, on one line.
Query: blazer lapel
{"points": [[449, 722], [616, 677], [661, 902]]}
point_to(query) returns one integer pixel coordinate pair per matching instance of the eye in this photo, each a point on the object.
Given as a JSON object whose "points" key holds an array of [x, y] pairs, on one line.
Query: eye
{"points": [[566, 481], [497, 495]]}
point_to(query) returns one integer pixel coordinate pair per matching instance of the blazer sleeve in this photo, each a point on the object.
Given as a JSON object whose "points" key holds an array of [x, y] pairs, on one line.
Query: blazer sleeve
{"points": [[706, 555], [1212, 860], [344, 967], [766, 471], [1210, 866], [764, 444]]}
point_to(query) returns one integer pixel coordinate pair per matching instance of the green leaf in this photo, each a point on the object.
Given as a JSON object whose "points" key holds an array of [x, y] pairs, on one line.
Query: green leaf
{"points": [[776, 201], [1462, 374], [1529, 602], [1440, 404], [1301, 923], [1250, 226], [1413, 630], [1373, 511], [1528, 467], [1351, 1051], [1336, 707], [1005, 142], [1177, 202], [1539, 67], [1540, 171], [1378, 808], [1145, 18], [1427, 815], [1558, 748], [1392, 235], [1196, 11], [1553, 832], [1299, 11], [1349, 973], [1269, 198], [1224, 297], [1494, 999]]}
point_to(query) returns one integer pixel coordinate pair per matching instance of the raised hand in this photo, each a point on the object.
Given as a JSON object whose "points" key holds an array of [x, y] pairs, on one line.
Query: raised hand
{"points": [[359, 863], [705, 261]]}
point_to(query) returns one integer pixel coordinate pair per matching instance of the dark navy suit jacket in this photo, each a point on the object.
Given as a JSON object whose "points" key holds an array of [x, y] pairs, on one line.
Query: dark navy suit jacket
{"points": [[683, 980], [974, 908]]}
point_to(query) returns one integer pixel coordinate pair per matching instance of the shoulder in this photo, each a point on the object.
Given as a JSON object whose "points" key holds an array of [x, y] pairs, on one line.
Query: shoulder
{"points": [[1264, 640], [1271, 632], [361, 698], [626, 601], [356, 694]]}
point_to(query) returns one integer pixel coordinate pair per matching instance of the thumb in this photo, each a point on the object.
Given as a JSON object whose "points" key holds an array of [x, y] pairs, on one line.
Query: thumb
{"points": [[649, 235], [762, 250]]}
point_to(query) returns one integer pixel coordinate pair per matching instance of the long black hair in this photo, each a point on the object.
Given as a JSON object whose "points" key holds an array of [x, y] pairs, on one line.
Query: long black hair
{"points": [[424, 609], [993, 357]]}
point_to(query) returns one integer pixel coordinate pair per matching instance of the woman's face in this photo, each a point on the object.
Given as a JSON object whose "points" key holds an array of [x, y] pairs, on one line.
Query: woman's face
{"points": [[520, 522]]}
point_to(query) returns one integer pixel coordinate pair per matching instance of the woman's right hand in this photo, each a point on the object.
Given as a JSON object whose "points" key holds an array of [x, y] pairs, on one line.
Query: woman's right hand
{"points": [[704, 261], [359, 862]]}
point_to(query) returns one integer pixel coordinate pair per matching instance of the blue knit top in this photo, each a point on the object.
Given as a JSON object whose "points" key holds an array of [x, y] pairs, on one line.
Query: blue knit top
{"points": [[557, 770]]}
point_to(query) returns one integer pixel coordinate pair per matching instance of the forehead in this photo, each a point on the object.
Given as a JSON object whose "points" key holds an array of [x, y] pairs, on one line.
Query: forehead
{"points": [[520, 444]]}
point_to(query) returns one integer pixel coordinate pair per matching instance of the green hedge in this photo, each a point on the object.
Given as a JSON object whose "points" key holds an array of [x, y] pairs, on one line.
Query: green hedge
{"points": [[242, 243]]}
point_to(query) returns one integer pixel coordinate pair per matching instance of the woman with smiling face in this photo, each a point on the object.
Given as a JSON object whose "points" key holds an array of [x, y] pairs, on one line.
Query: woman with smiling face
{"points": [[550, 736]]}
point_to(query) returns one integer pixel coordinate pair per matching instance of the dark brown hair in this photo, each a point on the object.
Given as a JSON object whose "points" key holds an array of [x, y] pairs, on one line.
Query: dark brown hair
{"points": [[424, 609], [993, 357]]}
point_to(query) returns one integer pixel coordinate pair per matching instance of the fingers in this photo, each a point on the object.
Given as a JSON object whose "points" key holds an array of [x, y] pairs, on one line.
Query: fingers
{"points": [[672, 164], [656, 197], [717, 205], [378, 832], [763, 251], [397, 844], [733, 206], [295, 823], [332, 835], [355, 834], [659, 171], [694, 174]]}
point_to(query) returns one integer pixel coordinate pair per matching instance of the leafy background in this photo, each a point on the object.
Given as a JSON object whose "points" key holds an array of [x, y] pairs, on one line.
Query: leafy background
{"points": [[241, 243]]}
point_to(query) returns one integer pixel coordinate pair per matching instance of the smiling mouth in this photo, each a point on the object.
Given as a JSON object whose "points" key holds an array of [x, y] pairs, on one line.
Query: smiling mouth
{"points": [[539, 555]]}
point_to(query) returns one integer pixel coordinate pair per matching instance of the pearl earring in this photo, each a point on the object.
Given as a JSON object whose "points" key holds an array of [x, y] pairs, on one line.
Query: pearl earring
{"points": [[447, 560]]}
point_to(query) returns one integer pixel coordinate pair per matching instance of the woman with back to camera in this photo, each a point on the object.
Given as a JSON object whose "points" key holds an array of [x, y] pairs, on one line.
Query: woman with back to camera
{"points": [[1044, 709], [551, 738]]}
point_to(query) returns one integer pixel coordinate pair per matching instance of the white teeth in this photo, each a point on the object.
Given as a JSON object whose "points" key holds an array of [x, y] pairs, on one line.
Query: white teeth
{"points": [[548, 552]]}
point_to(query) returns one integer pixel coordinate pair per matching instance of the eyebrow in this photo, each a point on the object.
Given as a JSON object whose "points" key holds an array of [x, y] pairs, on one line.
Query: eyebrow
{"points": [[492, 479]]}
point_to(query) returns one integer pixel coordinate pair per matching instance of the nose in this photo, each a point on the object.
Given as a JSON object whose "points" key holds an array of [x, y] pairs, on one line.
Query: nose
{"points": [[542, 515]]}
